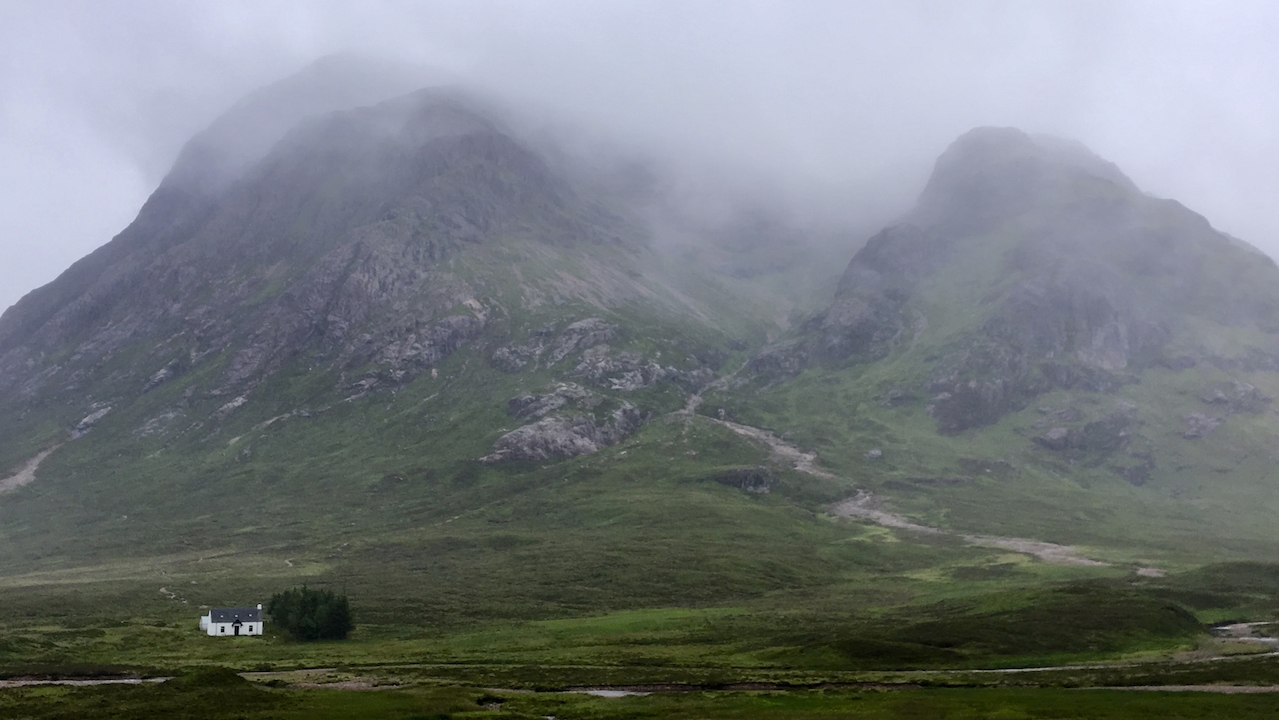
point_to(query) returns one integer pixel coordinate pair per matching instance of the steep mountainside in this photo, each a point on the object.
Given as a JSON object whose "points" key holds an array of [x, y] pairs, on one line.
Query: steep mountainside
{"points": [[1038, 307], [371, 244]]}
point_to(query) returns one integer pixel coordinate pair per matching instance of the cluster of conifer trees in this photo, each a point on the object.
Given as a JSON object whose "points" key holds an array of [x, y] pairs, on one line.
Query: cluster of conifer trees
{"points": [[308, 614]]}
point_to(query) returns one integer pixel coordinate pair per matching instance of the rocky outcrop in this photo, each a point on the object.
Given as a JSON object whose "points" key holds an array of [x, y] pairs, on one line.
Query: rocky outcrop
{"points": [[1235, 397], [598, 363], [513, 358], [526, 406], [1058, 438], [1225, 399], [580, 335], [425, 348], [90, 420], [1044, 336], [1199, 425], [754, 480], [551, 347], [618, 370], [163, 375], [1106, 435], [564, 437]]}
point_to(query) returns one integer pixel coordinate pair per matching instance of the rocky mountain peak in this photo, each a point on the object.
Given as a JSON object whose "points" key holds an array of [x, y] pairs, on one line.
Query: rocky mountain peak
{"points": [[990, 174], [222, 153], [1035, 265], [333, 243]]}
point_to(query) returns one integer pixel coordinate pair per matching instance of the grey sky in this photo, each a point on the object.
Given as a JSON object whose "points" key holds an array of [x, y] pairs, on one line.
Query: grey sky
{"points": [[845, 104]]}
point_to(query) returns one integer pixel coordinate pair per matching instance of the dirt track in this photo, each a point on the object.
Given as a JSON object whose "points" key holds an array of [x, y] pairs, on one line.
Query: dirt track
{"points": [[865, 506]]}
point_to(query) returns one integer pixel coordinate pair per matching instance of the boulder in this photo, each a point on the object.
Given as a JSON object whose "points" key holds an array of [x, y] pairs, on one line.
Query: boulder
{"points": [[1199, 425], [564, 437], [1058, 438]]}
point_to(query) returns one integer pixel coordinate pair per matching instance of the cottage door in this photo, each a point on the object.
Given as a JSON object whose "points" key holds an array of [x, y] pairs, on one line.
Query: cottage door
{"points": [[236, 626]]}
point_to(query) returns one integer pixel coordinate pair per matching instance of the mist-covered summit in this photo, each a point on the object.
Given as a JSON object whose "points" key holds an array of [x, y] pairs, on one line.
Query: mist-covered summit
{"points": [[339, 219], [1034, 288], [361, 250]]}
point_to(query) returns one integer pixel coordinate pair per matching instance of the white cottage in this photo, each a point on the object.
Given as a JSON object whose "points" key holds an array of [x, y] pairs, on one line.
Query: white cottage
{"points": [[232, 621]]}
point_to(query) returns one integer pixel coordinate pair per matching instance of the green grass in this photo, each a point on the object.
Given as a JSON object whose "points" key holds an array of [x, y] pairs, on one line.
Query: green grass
{"points": [[1209, 500], [196, 701]]}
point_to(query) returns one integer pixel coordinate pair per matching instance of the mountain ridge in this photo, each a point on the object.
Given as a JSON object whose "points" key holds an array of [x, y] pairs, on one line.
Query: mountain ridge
{"points": [[1090, 288]]}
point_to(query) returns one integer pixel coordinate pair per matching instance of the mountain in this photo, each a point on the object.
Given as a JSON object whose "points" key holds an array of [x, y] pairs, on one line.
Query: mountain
{"points": [[390, 318], [393, 345], [361, 244], [1039, 314]]}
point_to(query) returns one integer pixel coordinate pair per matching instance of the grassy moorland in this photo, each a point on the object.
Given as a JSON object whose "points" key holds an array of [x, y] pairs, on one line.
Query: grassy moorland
{"points": [[213, 695]]}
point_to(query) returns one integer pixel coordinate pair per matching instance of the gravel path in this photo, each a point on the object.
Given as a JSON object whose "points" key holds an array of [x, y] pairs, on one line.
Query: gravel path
{"points": [[865, 506]]}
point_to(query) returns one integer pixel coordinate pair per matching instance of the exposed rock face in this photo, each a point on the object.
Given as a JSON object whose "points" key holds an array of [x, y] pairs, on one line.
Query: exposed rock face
{"points": [[754, 480], [1106, 435], [598, 363], [567, 426], [538, 405], [1236, 396], [618, 371], [1199, 425], [867, 314], [580, 335], [1058, 438], [627, 371], [162, 375], [552, 347], [1226, 399], [563, 437], [89, 421], [781, 360]]}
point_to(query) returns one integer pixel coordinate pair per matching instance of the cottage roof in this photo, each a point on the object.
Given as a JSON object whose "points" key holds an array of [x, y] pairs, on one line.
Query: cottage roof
{"points": [[230, 615]]}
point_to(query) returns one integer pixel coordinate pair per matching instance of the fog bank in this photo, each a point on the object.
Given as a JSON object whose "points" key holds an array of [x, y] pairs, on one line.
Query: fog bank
{"points": [[840, 108]]}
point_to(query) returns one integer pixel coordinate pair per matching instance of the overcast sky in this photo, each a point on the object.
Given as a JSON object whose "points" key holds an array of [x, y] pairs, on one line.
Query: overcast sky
{"points": [[848, 101]]}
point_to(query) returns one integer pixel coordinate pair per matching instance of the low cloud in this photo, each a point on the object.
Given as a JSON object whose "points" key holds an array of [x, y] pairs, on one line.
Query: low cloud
{"points": [[838, 107]]}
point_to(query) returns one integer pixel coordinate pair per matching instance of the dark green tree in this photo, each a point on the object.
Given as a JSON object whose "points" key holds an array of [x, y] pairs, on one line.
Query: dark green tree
{"points": [[307, 614]]}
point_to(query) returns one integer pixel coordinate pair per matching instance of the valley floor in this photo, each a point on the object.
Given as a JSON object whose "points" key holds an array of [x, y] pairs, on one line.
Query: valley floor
{"points": [[213, 696], [622, 665]]}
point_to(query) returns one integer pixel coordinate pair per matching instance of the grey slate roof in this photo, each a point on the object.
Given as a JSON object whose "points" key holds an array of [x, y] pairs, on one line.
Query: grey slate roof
{"points": [[230, 615]]}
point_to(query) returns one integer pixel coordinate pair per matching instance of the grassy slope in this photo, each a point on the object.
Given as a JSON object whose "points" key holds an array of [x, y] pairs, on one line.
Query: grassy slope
{"points": [[1209, 499], [199, 699]]}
